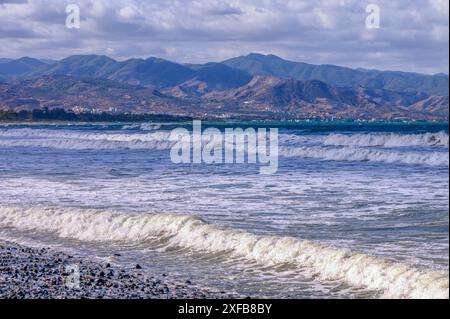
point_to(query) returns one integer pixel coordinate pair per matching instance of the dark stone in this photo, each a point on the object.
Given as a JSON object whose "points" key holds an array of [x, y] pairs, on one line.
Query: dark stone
{"points": [[100, 282]]}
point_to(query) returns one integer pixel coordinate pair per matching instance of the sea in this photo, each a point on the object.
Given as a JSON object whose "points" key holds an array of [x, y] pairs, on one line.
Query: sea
{"points": [[355, 210]]}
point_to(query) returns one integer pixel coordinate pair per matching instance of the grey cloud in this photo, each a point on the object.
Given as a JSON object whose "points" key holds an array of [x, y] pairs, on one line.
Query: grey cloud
{"points": [[225, 10], [13, 1], [413, 35]]}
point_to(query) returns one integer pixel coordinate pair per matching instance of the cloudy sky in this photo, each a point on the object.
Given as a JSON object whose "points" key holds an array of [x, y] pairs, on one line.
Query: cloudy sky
{"points": [[413, 34]]}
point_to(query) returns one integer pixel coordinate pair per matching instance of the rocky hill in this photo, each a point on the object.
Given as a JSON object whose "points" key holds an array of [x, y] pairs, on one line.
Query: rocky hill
{"points": [[263, 97]]}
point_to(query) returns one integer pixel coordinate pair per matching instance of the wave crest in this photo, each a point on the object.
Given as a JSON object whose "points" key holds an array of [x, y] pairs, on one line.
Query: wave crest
{"points": [[352, 154], [388, 140], [335, 147], [394, 280], [84, 140]]}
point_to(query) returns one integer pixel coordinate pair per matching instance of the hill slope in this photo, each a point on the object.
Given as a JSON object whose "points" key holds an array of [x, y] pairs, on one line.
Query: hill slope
{"points": [[258, 64], [315, 98], [86, 94], [155, 72], [19, 67]]}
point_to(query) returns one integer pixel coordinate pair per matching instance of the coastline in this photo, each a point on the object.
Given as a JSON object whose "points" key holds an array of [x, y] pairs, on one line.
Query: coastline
{"points": [[60, 115], [42, 273]]}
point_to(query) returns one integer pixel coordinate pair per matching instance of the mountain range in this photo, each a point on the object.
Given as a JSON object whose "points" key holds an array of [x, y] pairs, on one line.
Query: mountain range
{"points": [[258, 64], [260, 86]]}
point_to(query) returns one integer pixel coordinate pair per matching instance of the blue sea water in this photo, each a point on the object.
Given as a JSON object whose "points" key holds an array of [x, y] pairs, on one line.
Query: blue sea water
{"points": [[355, 210]]}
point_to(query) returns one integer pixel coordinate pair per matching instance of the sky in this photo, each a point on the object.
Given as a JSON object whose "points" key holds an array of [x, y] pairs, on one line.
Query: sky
{"points": [[412, 34]]}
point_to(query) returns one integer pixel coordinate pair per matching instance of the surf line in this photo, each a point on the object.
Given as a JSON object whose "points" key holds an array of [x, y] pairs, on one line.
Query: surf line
{"points": [[233, 146]]}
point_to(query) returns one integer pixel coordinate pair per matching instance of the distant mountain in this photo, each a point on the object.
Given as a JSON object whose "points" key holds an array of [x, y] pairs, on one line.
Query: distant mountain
{"points": [[155, 72], [76, 65], [4, 60], [152, 71], [219, 76], [228, 89], [232, 73], [48, 61], [315, 98], [210, 77], [435, 105], [284, 92], [258, 64], [89, 94], [19, 67], [262, 98]]}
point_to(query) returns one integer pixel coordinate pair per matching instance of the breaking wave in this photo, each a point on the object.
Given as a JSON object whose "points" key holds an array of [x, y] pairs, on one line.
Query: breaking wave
{"points": [[27, 133], [335, 147], [81, 140], [393, 280], [142, 126], [388, 140], [353, 154]]}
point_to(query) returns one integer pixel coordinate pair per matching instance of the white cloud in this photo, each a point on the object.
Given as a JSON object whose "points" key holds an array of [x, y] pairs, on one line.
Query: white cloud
{"points": [[413, 35], [128, 12], [441, 6]]}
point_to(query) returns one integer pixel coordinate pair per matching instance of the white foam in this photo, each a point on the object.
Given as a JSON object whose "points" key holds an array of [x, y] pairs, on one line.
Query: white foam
{"points": [[393, 280], [131, 126], [350, 153], [388, 140], [150, 126], [66, 139], [161, 140], [27, 133]]}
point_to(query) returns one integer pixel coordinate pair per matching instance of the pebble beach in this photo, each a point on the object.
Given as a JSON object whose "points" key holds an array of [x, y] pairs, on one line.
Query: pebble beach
{"points": [[42, 273]]}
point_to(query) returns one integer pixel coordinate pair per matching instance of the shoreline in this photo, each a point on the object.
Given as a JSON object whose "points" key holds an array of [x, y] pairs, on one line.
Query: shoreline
{"points": [[44, 273], [231, 121]]}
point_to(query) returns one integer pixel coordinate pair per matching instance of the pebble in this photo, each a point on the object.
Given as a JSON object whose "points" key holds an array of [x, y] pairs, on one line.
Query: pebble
{"points": [[29, 273]]}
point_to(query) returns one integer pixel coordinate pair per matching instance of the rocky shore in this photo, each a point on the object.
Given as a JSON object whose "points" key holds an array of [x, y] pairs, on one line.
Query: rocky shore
{"points": [[30, 273]]}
